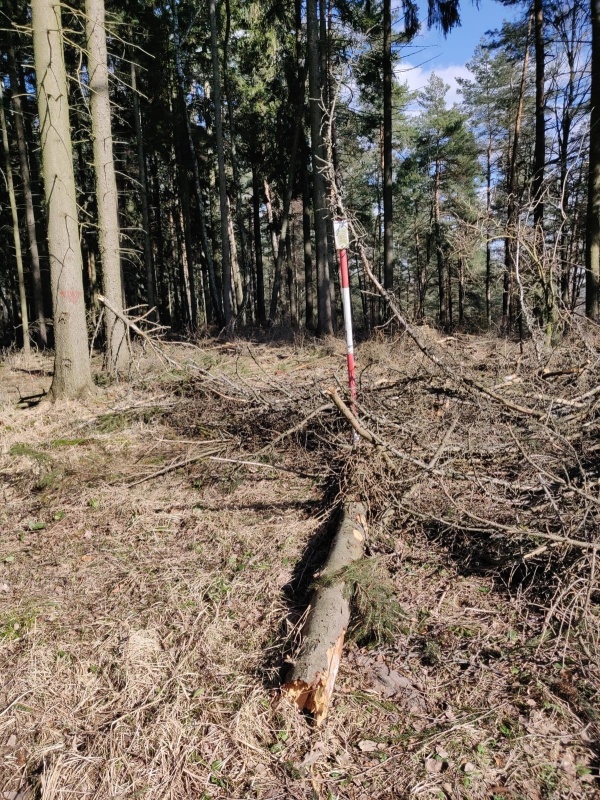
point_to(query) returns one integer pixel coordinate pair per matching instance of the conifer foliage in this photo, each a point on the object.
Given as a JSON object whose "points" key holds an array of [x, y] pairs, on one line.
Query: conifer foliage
{"points": [[193, 169]]}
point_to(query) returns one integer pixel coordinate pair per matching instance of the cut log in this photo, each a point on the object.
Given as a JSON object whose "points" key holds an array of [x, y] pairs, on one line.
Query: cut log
{"points": [[311, 680]]}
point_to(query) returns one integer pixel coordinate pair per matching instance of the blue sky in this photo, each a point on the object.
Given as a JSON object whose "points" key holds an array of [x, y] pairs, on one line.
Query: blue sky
{"points": [[431, 52]]}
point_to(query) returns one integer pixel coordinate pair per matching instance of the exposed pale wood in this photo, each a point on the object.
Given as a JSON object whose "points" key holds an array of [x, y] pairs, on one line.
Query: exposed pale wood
{"points": [[311, 680]]}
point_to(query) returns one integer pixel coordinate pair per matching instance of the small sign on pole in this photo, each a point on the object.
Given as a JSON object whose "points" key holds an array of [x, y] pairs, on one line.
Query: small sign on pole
{"points": [[340, 231], [342, 242]]}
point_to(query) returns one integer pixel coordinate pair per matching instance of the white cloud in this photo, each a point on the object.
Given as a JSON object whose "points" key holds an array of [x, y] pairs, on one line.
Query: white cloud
{"points": [[416, 76]]}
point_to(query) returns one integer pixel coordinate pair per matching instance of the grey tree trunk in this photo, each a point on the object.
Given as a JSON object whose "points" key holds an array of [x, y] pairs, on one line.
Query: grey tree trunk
{"points": [[539, 155], [309, 287], [107, 198], [34, 255], [148, 261], [258, 253], [510, 247], [318, 154], [388, 235], [225, 255], [15, 224], [72, 374], [592, 260], [208, 251]]}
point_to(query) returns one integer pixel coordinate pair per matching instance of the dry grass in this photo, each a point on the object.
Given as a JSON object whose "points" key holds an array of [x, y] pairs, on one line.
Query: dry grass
{"points": [[143, 628]]}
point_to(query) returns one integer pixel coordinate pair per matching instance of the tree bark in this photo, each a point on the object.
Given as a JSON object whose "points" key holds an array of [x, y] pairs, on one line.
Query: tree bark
{"points": [[225, 255], [324, 310], [261, 313], [512, 209], [285, 216], [72, 375], [309, 286], [311, 680], [388, 219], [539, 158], [443, 299], [41, 334], [143, 181], [592, 260], [107, 199], [208, 252], [15, 226]]}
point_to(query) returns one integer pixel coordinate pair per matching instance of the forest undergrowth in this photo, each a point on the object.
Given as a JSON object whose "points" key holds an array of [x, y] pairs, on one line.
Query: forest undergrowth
{"points": [[159, 541]]}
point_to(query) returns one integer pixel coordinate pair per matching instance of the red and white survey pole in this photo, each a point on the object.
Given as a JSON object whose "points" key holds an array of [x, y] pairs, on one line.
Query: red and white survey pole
{"points": [[342, 242]]}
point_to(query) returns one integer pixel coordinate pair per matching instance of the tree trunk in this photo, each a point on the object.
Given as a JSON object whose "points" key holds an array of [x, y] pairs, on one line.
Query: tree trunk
{"points": [[159, 249], [443, 301], [261, 313], [236, 276], [117, 350], [287, 199], [324, 312], [72, 375], [309, 286], [388, 219], [592, 260], [461, 293], [311, 680], [243, 272], [539, 158], [143, 180], [510, 247], [208, 252], [41, 334], [225, 255], [15, 225], [488, 243]]}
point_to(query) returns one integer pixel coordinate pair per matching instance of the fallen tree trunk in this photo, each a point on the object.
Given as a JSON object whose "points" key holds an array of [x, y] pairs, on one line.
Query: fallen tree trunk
{"points": [[311, 680]]}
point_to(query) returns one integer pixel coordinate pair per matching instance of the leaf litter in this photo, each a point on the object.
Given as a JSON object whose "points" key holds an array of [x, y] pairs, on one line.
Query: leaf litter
{"points": [[155, 620]]}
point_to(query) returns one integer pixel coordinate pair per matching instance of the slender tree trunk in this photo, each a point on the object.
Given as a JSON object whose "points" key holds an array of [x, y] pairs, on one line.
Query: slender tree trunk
{"points": [[239, 211], [539, 158], [279, 247], [488, 243], [512, 209], [388, 218], [324, 314], [143, 181], [592, 259], [309, 286], [41, 334], [450, 302], [291, 280], [225, 252], [461, 293], [443, 300], [567, 229], [72, 375], [271, 221], [117, 350], [261, 313], [15, 225], [236, 276], [159, 247], [208, 252]]}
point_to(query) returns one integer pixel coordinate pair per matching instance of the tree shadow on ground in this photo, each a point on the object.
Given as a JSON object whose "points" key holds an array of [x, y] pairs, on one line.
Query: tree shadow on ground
{"points": [[297, 591]]}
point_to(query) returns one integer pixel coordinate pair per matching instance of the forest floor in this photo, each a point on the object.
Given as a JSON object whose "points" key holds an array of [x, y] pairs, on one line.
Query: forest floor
{"points": [[145, 618]]}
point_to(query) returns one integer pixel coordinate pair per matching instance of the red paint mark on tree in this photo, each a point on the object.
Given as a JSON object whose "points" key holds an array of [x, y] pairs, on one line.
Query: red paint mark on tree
{"points": [[70, 295]]}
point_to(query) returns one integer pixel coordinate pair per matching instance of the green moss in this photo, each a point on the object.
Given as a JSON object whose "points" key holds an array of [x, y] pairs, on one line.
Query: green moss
{"points": [[21, 449], [377, 616], [14, 624]]}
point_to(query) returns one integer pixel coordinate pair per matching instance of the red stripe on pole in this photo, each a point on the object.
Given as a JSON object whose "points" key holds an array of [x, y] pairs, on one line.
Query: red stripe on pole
{"points": [[352, 379], [345, 278]]}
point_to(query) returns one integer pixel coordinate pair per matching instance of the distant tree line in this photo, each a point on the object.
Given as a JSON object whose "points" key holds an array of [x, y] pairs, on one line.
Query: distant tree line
{"points": [[173, 154]]}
